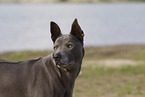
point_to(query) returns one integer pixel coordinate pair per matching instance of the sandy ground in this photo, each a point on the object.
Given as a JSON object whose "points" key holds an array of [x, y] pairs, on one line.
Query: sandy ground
{"points": [[112, 62]]}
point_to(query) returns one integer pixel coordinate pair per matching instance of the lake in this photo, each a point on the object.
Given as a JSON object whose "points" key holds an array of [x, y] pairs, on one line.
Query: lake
{"points": [[27, 26]]}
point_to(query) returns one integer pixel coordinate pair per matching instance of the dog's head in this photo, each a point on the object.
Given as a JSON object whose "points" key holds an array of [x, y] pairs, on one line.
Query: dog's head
{"points": [[68, 49]]}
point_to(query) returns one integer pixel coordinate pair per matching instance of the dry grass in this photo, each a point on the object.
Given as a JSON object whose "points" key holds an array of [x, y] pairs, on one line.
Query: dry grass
{"points": [[133, 52]]}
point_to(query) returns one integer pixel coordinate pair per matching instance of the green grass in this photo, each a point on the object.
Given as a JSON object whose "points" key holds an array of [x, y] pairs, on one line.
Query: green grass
{"points": [[125, 81], [95, 81]]}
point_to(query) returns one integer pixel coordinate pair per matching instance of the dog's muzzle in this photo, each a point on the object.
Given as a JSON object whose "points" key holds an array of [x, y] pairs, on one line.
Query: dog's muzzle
{"points": [[57, 56]]}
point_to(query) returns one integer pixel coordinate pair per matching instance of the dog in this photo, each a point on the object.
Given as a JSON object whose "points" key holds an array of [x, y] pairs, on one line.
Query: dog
{"points": [[50, 76]]}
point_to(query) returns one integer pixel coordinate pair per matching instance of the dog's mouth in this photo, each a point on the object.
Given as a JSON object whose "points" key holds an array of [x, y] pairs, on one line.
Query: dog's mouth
{"points": [[63, 65]]}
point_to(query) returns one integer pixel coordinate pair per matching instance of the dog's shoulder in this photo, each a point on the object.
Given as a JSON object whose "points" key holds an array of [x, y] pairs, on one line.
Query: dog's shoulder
{"points": [[18, 62], [6, 61]]}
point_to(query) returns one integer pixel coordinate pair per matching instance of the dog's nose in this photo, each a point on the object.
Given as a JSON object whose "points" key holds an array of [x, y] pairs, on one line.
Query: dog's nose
{"points": [[57, 56]]}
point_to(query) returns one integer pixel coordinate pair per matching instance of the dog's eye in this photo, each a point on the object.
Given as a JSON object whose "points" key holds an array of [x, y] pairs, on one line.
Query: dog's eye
{"points": [[55, 47], [69, 45]]}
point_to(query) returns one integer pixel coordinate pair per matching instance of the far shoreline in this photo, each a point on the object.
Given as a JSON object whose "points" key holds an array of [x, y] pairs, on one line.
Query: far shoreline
{"points": [[132, 52], [69, 1]]}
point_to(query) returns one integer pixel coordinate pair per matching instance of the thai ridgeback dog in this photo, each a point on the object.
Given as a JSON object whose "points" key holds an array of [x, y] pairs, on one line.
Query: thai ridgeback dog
{"points": [[50, 76]]}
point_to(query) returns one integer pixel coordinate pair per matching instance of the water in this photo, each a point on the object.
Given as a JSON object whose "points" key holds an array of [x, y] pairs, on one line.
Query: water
{"points": [[27, 26]]}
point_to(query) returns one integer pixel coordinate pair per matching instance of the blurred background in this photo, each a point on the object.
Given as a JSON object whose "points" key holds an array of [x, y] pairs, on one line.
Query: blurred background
{"points": [[25, 24], [114, 40]]}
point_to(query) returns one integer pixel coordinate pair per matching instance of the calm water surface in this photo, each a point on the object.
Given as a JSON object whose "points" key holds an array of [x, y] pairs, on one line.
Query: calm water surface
{"points": [[27, 26]]}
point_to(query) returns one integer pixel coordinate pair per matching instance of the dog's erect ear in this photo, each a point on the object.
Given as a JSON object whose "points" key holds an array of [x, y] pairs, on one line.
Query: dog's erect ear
{"points": [[55, 31], [76, 31]]}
